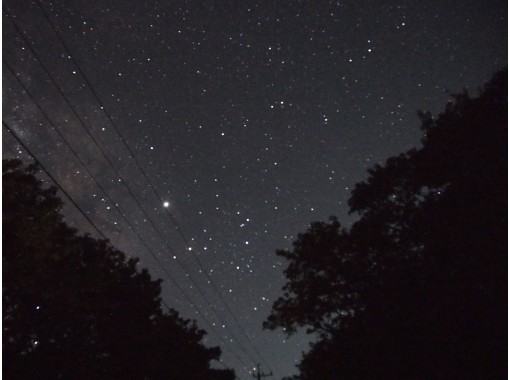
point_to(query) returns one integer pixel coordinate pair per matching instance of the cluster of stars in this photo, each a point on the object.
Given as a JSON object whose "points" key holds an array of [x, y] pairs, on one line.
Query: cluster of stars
{"points": [[253, 118]]}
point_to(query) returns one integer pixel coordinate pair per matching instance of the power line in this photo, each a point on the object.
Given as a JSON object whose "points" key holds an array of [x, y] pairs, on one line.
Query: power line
{"points": [[14, 134], [114, 204], [38, 162], [82, 164], [132, 155], [15, 152], [113, 168]]}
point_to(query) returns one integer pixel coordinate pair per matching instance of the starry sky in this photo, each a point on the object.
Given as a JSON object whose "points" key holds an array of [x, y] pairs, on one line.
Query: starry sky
{"points": [[250, 118]]}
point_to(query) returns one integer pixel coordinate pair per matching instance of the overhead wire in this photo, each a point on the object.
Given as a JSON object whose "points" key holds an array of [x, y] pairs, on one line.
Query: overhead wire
{"points": [[39, 164], [148, 181], [160, 264], [84, 214], [109, 162], [13, 150]]}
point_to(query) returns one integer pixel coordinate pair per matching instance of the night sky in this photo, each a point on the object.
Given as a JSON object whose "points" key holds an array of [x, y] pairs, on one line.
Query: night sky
{"points": [[250, 118]]}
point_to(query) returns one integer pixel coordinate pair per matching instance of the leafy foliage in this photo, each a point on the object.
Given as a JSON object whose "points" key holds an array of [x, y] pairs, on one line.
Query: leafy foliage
{"points": [[416, 288], [76, 308]]}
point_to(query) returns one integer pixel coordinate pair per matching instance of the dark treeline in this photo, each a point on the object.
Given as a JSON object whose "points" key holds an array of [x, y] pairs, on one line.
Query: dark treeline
{"points": [[417, 287], [76, 308]]}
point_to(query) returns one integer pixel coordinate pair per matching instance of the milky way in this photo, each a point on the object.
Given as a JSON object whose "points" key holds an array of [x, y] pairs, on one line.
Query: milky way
{"points": [[250, 118]]}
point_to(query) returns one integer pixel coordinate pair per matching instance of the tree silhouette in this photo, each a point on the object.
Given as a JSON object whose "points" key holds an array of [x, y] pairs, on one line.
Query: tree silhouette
{"points": [[416, 288], [76, 308]]}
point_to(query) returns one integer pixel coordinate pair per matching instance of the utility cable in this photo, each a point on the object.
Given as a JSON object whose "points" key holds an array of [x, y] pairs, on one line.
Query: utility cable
{"points": [[110, 163], [113, 202], [39, 164], [158, 196], [15, 135]]}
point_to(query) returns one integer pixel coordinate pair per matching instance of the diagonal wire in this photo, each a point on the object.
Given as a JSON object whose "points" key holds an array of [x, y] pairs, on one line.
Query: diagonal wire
{"points": [[111, 200], [53, 179], [39, 163], [158, 196], [116, 172]]}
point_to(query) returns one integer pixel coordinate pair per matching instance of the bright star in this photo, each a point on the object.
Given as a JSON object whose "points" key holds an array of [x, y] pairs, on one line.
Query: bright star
{"points": [[166, 204]]}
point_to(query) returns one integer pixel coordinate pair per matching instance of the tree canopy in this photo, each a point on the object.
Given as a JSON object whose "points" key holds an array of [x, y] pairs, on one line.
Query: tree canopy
{"points": [[74, 307], [416, 287]]}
